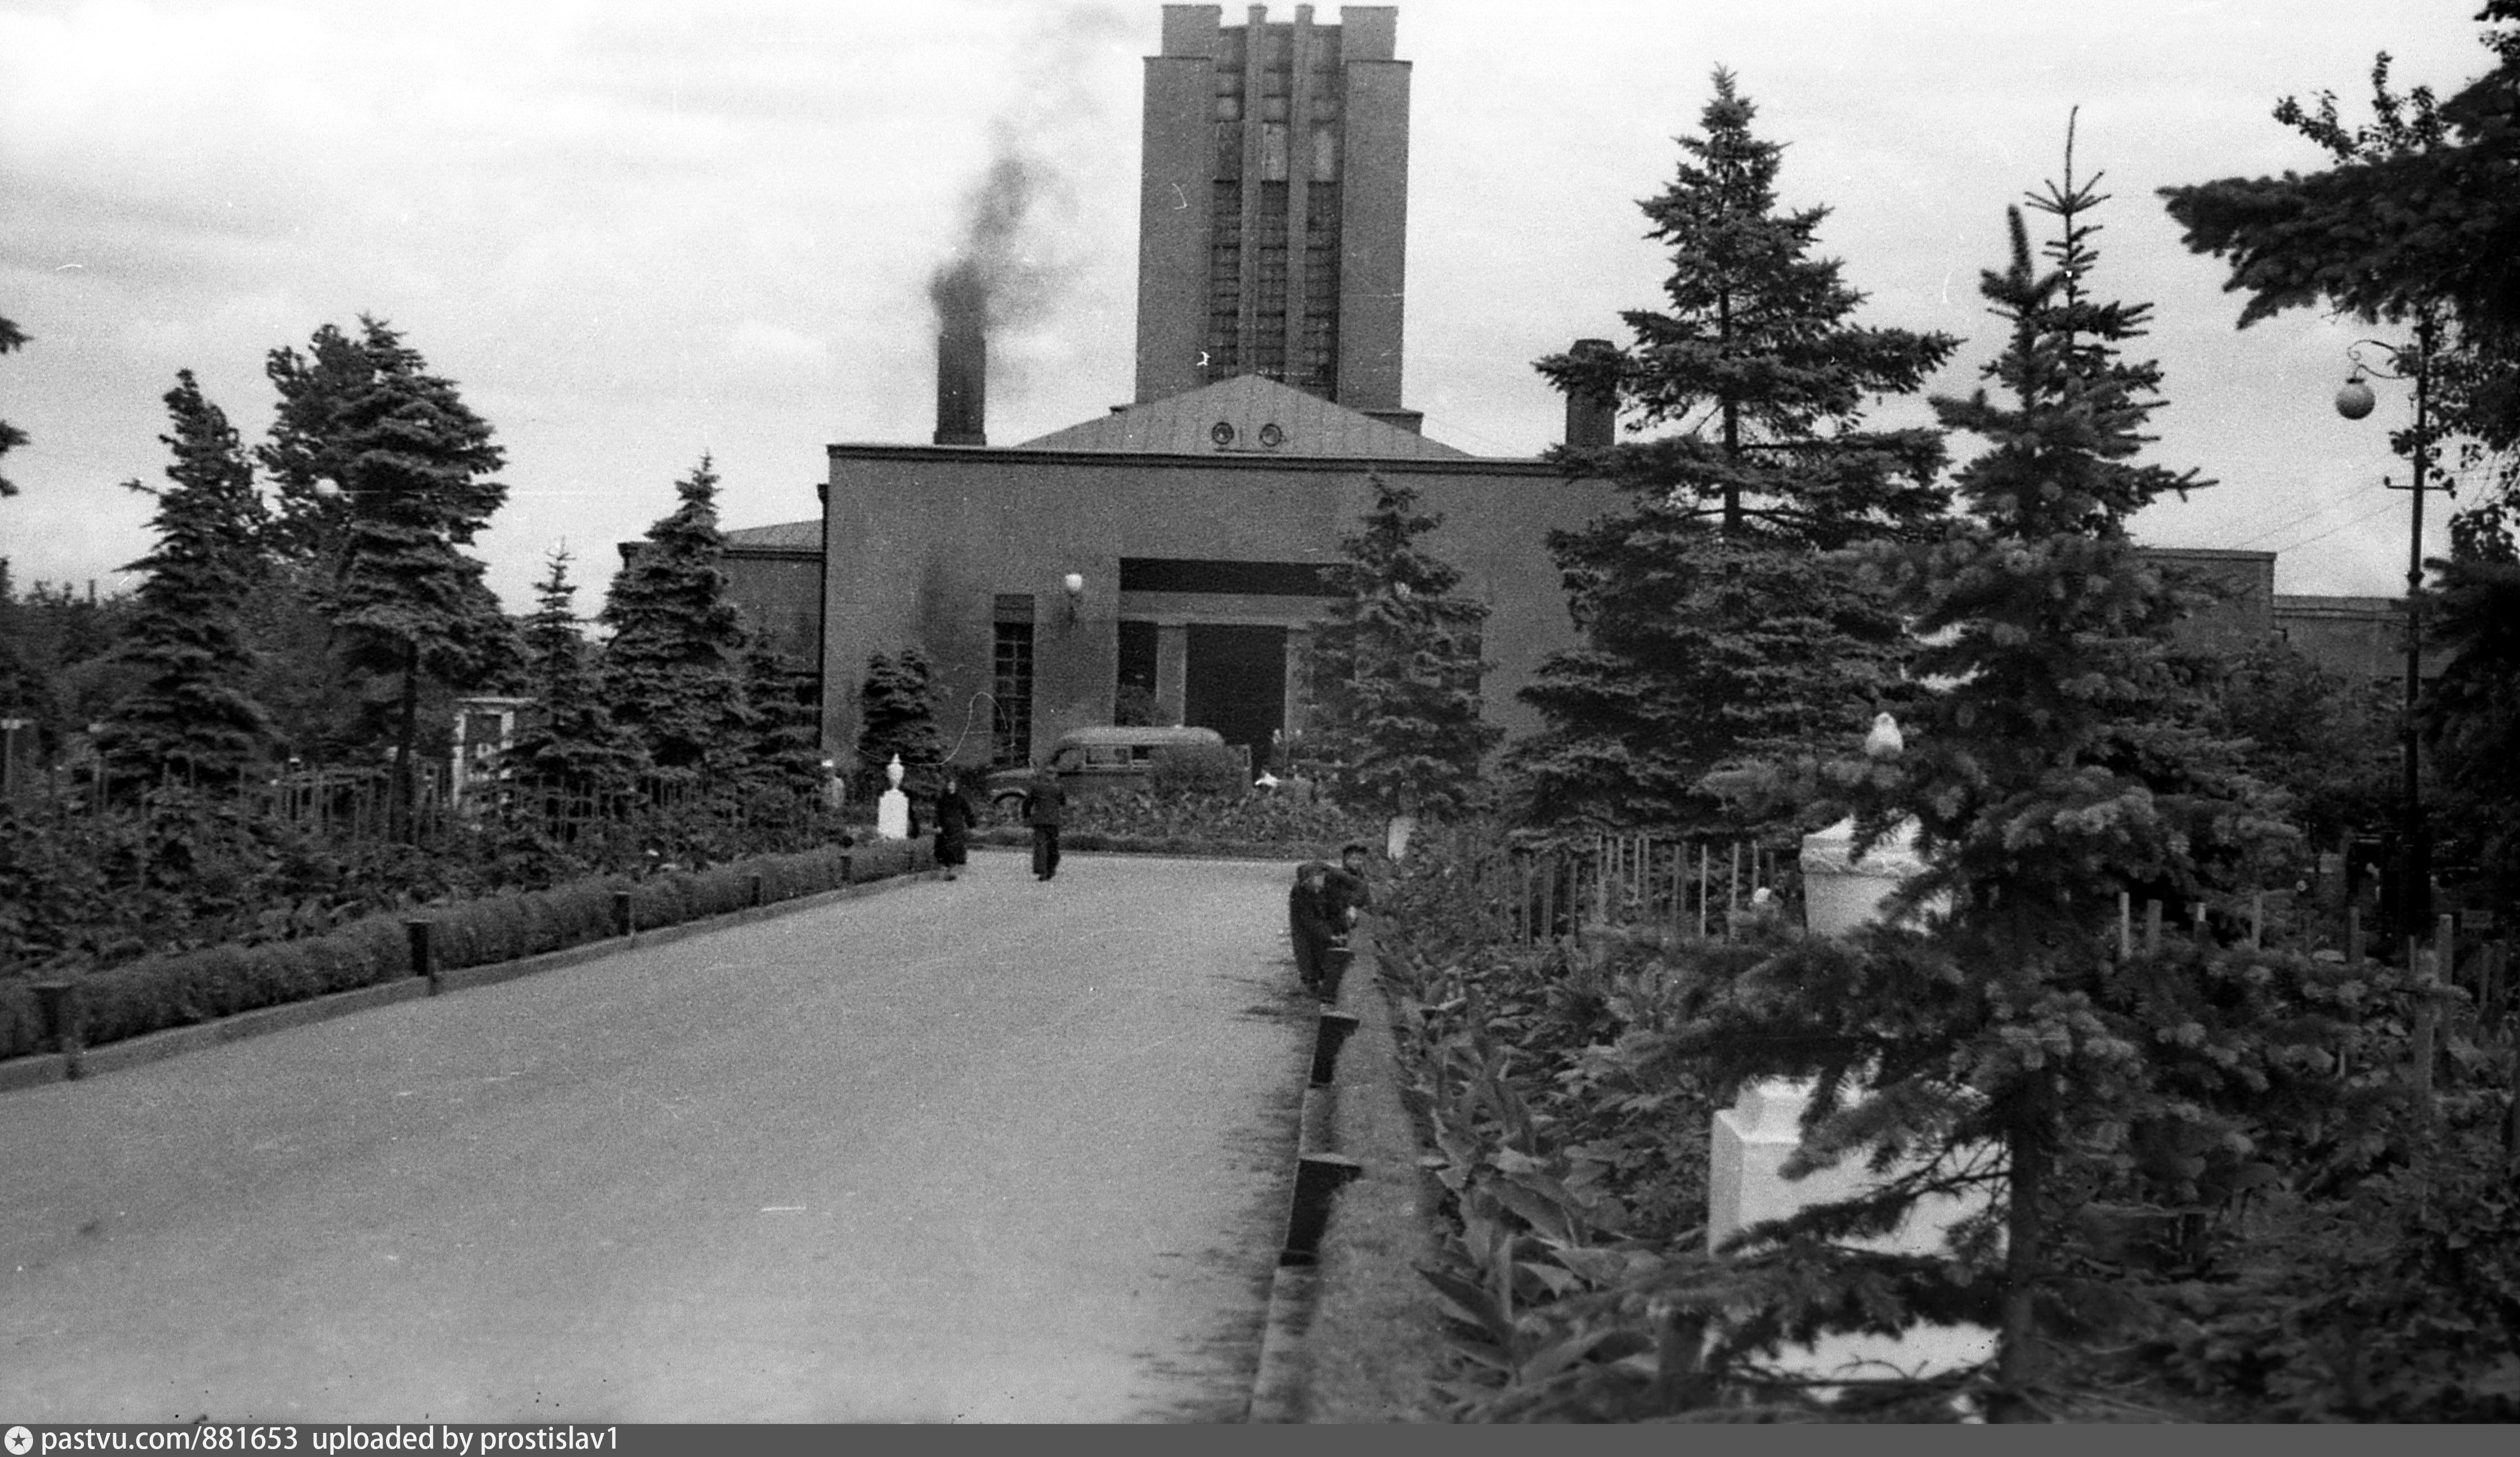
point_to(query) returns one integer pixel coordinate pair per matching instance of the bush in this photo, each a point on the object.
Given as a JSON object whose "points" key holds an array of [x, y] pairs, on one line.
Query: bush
{"points": [[184, 988], [1196, 770], [1236, 818]]}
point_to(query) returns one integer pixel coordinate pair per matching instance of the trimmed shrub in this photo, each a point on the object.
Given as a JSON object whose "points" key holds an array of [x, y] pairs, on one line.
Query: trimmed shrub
{"points": [[180, 989], [1190, 770]]}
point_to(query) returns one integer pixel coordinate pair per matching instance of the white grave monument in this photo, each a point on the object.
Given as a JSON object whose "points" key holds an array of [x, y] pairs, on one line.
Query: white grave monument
{"points": [[1752, 1139], [892, 807]]}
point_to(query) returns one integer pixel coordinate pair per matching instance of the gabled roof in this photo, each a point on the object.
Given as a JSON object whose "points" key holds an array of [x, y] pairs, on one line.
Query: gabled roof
{"points": [[1255, 416]]}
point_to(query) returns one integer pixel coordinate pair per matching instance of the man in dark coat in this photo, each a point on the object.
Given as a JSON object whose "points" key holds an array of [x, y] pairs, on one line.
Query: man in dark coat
{"points": [[954, 820], [1311, 922], [1043, 808]]}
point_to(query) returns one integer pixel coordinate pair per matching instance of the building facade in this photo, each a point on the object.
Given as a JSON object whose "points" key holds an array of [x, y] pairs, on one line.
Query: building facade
{"points": [[1165, 558], [1164, 562]]}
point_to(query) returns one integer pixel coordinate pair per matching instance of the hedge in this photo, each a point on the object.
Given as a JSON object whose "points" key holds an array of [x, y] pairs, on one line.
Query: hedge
{"points": [[200, 986]]}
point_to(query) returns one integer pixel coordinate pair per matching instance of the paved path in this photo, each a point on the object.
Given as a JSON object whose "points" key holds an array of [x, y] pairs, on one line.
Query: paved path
{"points": [[993, 1150]]}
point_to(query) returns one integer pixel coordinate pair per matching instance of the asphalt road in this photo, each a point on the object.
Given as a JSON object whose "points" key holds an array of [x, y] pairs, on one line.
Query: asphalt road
{"points": [[993, 1150]]}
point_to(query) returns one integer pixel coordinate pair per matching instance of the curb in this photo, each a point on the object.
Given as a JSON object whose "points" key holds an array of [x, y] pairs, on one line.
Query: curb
{"points": [[155, 1047], [1278, 1386]]}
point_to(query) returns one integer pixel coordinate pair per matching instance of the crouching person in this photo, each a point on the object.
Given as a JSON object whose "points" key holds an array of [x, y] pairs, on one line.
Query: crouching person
{"points": [[1312, 923]]}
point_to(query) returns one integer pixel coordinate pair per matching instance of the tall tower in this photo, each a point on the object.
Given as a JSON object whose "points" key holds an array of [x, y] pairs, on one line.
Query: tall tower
{"points": [[1274, 206]]}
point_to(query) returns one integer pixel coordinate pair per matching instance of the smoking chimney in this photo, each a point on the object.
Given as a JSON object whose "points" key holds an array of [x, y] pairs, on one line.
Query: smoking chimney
{"points": [[963, 382]]}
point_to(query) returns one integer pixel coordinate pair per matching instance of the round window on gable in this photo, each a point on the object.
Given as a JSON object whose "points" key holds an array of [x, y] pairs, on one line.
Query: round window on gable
{"points": [[1271, 436], [1221, 432]]}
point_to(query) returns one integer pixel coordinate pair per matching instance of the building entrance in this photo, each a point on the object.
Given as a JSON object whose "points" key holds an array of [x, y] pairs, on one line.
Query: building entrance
{"points": [[1236, 682]]}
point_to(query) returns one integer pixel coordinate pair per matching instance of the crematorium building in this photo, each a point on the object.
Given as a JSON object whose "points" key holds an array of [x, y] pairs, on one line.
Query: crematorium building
{"points": [[1166, 557]]}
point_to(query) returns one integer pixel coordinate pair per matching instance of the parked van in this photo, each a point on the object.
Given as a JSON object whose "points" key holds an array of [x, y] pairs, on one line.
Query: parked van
{"points": [[1090, 760]]}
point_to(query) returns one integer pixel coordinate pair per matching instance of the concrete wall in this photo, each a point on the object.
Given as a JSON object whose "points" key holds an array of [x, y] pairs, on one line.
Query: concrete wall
{"points": [[2361, 639], [1174, 178], [781, 590], [1373, 225], [2245, 581], [922, 541]]}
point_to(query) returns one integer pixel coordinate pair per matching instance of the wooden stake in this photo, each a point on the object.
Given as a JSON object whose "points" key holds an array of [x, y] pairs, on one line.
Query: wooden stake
{"points": [[2354, 938], [1704, 867], [2126, 926], [2152, 928], [2427, 1015], [2257, 919]]}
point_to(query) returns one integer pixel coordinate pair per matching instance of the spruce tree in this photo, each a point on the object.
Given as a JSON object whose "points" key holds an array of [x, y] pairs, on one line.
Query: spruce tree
{"points": [[897, 715], [409, 466], [11, 437], [673, 673], [192, 713], [785, 755], [566, 751], [2062, 763], [1711, 621], [1396, 669]]}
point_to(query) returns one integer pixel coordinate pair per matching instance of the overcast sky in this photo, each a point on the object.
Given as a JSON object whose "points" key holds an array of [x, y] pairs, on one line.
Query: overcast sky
{"points": [[636, 231]]}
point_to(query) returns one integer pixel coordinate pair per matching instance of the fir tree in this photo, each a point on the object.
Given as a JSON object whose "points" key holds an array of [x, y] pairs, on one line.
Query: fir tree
{"points": [[673, 673], [11, 437], [23, 691], [2063, 764], [1396, 669], [897, 715], [567, 749], [786, 701], [409, 464], [2470, 715], [1711, 621], [191, 713]]}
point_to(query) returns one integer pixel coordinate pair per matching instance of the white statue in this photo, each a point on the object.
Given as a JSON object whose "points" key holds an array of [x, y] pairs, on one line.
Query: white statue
{"points": [[892, 807]]}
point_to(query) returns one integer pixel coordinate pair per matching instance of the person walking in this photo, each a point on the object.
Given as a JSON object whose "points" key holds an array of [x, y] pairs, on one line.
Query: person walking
{"points": [[1310, 923], [1043, 808], [955, 817]]}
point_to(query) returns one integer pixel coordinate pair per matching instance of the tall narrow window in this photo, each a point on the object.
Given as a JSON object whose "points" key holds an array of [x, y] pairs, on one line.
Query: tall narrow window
{"points": [[1011, 683]]}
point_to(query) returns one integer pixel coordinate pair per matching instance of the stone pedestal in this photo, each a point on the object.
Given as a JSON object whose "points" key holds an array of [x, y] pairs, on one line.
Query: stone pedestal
{"points": [[1750, 1141], [1747, 1184]]}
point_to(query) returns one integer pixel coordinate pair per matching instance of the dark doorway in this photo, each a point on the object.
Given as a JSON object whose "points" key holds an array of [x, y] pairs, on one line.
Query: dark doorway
{"points": [[1133, 697], [1237, 685]]}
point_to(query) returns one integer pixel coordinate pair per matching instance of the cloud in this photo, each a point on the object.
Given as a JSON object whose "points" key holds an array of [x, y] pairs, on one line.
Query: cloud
{"points": [[754, 341]]}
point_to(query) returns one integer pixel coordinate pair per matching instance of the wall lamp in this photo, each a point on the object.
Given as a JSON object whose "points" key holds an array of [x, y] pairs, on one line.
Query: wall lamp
{"points": [[1074, 584]]}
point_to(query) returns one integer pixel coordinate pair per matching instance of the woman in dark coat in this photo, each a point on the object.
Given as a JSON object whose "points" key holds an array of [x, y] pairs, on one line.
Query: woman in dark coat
{"points": [[954, 822]]}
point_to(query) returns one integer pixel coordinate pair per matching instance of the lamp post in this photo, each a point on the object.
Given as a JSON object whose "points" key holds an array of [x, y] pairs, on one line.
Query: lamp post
{"points": [[2354, 401]]}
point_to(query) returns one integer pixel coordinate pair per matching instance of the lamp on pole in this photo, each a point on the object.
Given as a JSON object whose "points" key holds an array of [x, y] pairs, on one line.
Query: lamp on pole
{"points": [[2354, 401]]}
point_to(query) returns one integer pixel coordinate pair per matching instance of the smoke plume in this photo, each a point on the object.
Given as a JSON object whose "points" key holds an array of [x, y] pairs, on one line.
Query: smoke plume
{"points": [[1014, 253]]}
